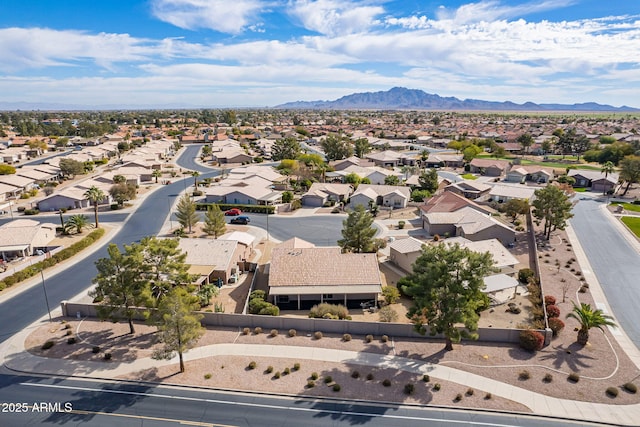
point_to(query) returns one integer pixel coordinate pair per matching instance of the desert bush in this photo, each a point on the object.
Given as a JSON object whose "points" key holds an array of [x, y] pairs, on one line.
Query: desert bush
{"points": [[277, 375], [286, 371], [549, 300], [470, 392], [574, 377], [311, 384], [269, 369], [296, 366], [556, 325], [328, 379], [72, 340], [330, 311], [384, 338], [386, 382], [257, 330], [355, 374], [387, 314], [437, 387], [67, 326], [273, 333], [631, 388], [336, 387], [368, 338], [369, 376], [107, 356], [553, 311], [458, 397], [583, 289], [314, 376], [246, 331], [488, 396], [547, 378], [531, 340], [409, 388], [525, 274], [524, 375], [252, 365], [612, 392], [346, 337], [317, 335], [426, 378], [292, 333], [95, 349], [47, 345], [207, 376], [391, 294]]}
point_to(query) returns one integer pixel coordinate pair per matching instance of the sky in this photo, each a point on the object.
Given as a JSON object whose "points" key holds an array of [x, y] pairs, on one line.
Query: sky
{"points": [[255, 53]]}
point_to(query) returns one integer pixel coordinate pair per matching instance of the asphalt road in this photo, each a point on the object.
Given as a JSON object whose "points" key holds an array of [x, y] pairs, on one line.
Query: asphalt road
{"points": [[614, 261], [124, 404]]}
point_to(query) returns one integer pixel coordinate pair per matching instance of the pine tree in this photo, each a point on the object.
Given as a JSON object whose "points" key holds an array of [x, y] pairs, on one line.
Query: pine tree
{"points": [[552, 206], [214, 223], [357, 231], [186, 212]]}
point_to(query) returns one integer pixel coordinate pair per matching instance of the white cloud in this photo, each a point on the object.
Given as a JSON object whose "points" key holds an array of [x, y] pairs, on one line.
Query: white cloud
{"points": [[492, 10], [335, 17], [220, 15]]}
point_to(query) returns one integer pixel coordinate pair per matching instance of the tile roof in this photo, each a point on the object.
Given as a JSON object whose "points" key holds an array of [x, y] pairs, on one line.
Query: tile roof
{"points": [[208, 251], [406, 246]]}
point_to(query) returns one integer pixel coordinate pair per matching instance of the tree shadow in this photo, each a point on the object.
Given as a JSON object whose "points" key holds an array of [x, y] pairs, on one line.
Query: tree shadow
{"points": [[569, 356]]}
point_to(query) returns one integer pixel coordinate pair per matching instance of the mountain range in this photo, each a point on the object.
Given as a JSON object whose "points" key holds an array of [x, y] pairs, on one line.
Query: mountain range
{"points": [[400, 98]]}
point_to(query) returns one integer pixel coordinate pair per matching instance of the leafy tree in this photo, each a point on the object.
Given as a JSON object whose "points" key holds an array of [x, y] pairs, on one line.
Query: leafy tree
{"points": [[552, 206], [95, 196], [515, 207], [471, 152], [606, 139], [357, 231], [70, 167], [525, 140], [446, 286], [119, 179], [420, 195], [589, 318], [229, 117], [428, 180], [122, 193], [214, 223], [179, 327], [353, 179], [287, 197], [630, 171], [156, 173], [186, 212], [424, 156], [164, 266], [361, 147], [7, 170], [391, 294], [336, 147], [285, 148], [615, 152], [391, 180], [122, 288], [76, 222]]}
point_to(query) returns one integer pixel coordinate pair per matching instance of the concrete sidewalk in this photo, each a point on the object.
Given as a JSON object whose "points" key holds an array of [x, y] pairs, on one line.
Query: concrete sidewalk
{"points": [[17, 359]]}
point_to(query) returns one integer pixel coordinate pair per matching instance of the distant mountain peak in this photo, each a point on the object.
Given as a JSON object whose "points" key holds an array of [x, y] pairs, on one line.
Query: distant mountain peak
{"points": [[401, 98]]}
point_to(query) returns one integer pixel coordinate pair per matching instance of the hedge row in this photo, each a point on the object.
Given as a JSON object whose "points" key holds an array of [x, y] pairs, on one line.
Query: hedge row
{"points": [[64, 254], [243, 208]]}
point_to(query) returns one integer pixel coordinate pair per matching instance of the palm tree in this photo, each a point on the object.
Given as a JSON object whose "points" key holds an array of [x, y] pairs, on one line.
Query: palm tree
{"points": [[156, 173], [607, 168], [77, 222], [195, 175], [589, 318], [95, 196]]}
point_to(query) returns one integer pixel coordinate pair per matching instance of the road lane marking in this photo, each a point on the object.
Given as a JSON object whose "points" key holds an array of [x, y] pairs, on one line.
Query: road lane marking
{"points": [[265, 406], [141, 417]]}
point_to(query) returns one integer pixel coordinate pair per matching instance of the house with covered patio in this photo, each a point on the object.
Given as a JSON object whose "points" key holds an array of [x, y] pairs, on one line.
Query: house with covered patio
{"points": [[23, 237]]}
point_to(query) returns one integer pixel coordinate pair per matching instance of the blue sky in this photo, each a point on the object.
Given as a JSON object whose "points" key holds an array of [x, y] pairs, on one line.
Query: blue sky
{"points": [[254, 53]]}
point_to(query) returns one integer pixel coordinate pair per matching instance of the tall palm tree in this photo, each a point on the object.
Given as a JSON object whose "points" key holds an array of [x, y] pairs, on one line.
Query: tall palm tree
{"points": [[156, 173], [95, 196], [589, 318], [607, 168], [195, 175], [77, 222]]}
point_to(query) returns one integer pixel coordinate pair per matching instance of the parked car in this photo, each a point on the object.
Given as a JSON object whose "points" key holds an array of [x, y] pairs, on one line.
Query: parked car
{"points": [[240, 220], [233, 212]]}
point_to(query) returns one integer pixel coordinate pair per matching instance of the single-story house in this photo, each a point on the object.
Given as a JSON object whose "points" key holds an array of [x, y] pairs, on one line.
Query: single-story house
{"points": [[390, 158], [246, 241], [503, 260], [489, 167], [320, 193], [538, 174], [469, 223], [68, 198], [468, 188], [213, 259], [22, 183], [302, 276], [443, 160], [339, 165], [23, 237], [405, 252], [392, 196], [596, 180], [448, 201], [505, 192]]}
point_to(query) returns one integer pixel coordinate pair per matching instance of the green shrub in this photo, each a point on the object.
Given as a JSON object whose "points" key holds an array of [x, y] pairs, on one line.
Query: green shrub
{"points": [[328, 379], [488, 396], [336, 387], [47, 345], [369, 376], [277, 375], [269, 369], [547, 378], [252, 365], [246, 331], [612, 391], [346, 337], [286, 371], [292, 333], [631, 388], [426, 378], [531, 340], [386, 382], [207, 376], [573, 377], [355, 374], [368, 338], [311, 384], [273, 333], [72, 340], [67, 326], [330, 311], [437, 387], [525, 274], [384, 338], [317, 335], [314, 376], [524, 375], [95, 349], [469, 392], [257, 330], [458, 397], [391, 294], [409, 388], [296, 366]]}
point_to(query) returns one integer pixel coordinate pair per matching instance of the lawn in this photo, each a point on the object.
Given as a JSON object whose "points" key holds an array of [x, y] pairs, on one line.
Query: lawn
{"points": [[628, 206], [468, 176], [554, 165], [633, 222], [580, 190]]}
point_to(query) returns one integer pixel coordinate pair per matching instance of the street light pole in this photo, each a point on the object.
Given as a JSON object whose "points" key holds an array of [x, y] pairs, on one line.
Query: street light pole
{"points": [[46, 299]]}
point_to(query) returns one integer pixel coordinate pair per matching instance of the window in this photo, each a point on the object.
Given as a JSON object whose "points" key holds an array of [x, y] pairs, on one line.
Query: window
{"points": [[327, 296]]}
